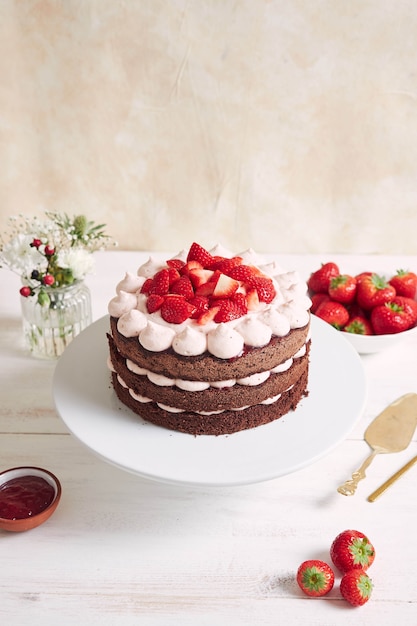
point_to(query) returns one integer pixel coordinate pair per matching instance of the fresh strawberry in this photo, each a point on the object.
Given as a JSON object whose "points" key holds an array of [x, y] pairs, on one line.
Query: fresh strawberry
{"points": [[160, 283], [333, 313], [315, 578], [351, 549], [183, 287], [409, 305], [342, 288], [361, 276], [175, 309], [359, 325], [154, 302], [243, 273], [319, 280], [374, 290], [189, 267], [146, 285], [200, 277], [175, 264], [225, 266], [225, 287], [390, 318], [404, 283], [239, 299], [356, 587], [200, 254], [265, 288], [201, 304], [208, 316], [174, 275], [317, 299], [228, 311]]}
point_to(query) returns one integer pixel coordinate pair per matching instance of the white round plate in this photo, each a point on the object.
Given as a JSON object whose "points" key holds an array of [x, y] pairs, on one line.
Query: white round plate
{"points": [[90, 409]]}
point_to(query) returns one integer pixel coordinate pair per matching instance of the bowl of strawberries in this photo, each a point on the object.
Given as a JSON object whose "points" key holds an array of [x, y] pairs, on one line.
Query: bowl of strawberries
{"points": [[373, 311]]}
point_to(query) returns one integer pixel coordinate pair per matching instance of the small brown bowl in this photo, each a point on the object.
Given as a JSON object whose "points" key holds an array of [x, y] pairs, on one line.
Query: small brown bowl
{"points": [[39, 491]]}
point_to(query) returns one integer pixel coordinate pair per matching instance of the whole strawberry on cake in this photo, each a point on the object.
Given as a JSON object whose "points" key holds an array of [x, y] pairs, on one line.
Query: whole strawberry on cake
{"points": [[210, 343]]}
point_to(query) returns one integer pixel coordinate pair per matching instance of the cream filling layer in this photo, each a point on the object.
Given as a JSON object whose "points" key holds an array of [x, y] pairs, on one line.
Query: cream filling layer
{"points": [[171, 409], [196, 385]]}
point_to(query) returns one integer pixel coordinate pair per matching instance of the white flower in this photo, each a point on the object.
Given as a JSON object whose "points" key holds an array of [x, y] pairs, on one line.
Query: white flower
{"points": [[78, 260], [21, 257]]}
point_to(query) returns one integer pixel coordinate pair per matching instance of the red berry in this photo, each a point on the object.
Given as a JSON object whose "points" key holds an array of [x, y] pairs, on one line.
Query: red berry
{"points": [[334, 313], [36, 243], [356, 587], [315, 577], [319, 280], [154, 302], [265, 288], [48, 279], [352, 550], [25, 291], [175, 309], [49, 251], [200, 254], [404, 283], [342, 288], [359, 325], [160, 283]]}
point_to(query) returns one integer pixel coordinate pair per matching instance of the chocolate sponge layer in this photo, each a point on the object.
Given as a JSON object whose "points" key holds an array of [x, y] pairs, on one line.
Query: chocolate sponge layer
{"points": [[224, 423], [212, 399], [206, 366]]}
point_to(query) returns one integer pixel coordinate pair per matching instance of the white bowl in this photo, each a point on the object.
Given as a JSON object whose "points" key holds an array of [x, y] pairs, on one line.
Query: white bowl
{"points": [[369, 344]]}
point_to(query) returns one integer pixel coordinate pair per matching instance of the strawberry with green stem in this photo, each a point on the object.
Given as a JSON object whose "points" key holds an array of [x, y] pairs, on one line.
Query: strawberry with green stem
{"points": [[404, 283], [352, 549], [315, 577], [356, 587]]}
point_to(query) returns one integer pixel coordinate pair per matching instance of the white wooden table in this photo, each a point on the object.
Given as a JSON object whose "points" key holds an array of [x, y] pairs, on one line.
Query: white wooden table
{"points": [[124, 550]]}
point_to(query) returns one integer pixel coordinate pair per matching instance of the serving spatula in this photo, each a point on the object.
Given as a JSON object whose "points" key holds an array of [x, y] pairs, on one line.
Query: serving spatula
{"points": [[391, 431]]}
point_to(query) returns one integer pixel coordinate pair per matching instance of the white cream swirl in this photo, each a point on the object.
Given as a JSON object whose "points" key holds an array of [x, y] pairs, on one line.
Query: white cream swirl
{"points": [[130, 324], [190, 342], [224, 342], [130, 283], [254, 332], [156, 338], [122, 303]]}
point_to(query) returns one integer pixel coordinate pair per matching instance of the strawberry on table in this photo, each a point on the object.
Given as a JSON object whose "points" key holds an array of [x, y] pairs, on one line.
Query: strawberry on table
{"points": [[359, 325], [333, 313], [405, 283], [319, 280], [356, 587], [391, 317], [374, 290], [351, 549], [315, 577], [342, 288]]}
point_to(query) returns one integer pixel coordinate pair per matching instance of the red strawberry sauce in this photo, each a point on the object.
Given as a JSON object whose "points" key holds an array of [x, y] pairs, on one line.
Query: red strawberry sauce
{"points": [[25, 496]]}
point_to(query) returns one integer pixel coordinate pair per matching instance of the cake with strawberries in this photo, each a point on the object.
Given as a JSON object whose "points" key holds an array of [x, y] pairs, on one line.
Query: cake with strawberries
{"points": [[210, 343]]}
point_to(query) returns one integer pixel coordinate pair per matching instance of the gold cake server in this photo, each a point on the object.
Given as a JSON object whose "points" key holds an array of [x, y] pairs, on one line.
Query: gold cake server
{"points": [[378, 492], [391, 431]]}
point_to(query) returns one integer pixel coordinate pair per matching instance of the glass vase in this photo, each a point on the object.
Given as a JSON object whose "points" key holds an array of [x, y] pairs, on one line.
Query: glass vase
{"points": [[48, 329]]}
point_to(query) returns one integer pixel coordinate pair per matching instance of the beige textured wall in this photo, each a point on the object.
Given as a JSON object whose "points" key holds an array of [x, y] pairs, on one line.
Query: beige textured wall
{"points": [[287, 126]]}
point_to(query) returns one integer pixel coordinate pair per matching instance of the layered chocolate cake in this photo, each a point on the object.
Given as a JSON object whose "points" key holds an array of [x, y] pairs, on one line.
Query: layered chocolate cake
{"points": [[208, 343]]}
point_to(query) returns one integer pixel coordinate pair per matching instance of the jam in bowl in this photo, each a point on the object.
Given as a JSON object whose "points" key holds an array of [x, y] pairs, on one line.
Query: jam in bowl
{"points": [[28, 497]]}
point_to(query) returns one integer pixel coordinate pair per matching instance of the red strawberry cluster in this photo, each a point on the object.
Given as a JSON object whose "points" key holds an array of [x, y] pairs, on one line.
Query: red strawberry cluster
{"points": [[365, 304], [352, 554], [206, 288]]}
